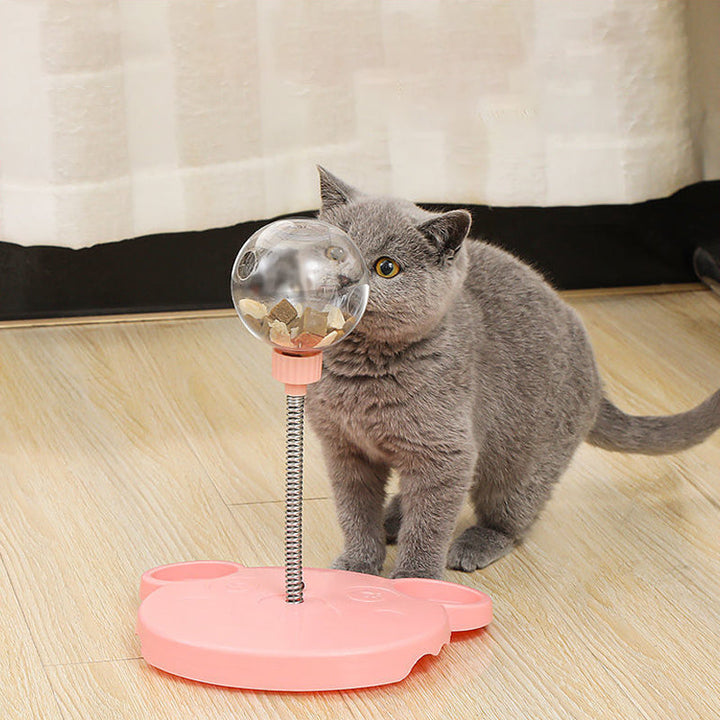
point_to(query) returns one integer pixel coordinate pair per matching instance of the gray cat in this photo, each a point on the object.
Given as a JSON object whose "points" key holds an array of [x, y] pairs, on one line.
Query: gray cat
{"points": [[467, 374]]}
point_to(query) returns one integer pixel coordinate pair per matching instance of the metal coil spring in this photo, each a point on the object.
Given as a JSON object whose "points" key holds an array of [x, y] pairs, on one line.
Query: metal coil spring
{"points": [[293, 499]]}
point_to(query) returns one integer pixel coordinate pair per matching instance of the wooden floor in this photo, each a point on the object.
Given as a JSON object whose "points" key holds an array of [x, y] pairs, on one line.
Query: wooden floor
{"points": [[128, 445]]}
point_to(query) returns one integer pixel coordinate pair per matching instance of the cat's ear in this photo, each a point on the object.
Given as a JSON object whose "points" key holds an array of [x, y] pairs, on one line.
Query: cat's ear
{"points": [[446, 232], [333, 191]]}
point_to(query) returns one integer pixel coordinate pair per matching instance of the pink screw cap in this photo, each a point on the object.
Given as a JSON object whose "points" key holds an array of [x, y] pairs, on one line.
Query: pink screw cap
{"points": [[296, 371]]}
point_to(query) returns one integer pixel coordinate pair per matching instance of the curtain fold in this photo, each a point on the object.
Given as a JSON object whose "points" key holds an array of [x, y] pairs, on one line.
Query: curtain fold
{"points": [[121, 118]]}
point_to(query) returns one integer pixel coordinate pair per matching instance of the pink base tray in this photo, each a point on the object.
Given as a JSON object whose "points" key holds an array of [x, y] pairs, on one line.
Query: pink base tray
{"points": [[225, 624]]}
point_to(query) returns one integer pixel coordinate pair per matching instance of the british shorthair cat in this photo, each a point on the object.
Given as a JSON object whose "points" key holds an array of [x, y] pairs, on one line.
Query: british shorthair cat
{"points": [[468, 375]]}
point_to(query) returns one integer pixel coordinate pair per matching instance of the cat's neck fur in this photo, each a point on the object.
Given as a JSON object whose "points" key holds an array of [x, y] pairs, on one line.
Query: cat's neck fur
{"points": [[363, 356]]}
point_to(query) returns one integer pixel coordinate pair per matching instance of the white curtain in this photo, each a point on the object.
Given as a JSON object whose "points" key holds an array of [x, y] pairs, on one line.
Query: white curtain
{"points": [[120, 118]]}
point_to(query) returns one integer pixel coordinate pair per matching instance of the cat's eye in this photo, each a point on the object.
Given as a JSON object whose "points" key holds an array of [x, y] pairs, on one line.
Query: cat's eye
{"points": [[387, 268]]}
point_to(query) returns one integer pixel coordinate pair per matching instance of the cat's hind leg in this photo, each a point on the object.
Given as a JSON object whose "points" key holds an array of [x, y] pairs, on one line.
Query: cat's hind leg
{"points": [[504, 511], [477, 547]]}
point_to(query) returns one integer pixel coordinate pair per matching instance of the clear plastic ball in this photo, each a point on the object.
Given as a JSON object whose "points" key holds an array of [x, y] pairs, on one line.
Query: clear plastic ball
{"points": [[300, 285]]}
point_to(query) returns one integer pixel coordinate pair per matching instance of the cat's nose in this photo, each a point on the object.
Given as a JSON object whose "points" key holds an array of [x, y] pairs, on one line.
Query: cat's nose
{"points": [[343, 281]]}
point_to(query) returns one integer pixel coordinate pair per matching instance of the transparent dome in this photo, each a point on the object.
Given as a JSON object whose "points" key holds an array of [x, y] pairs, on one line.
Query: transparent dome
{"points": [[300, 285]]}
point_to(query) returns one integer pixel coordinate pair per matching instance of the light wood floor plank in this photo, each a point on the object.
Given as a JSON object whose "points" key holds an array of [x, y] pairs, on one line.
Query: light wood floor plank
{"points": [[661, 355], [129, 690], [25, 691], [216, 381], [105, 487], [127, 445]]}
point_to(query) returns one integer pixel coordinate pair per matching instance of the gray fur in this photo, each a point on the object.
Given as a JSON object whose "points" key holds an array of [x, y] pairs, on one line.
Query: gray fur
{"points": [[614, 430], [467, 375]]}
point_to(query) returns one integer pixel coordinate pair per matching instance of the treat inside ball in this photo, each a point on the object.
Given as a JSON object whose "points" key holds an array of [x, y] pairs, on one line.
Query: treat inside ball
{"points": [[300, 285]]}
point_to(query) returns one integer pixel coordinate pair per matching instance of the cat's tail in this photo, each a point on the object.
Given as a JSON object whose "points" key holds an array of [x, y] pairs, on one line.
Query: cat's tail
{"points": [[654, 435]]}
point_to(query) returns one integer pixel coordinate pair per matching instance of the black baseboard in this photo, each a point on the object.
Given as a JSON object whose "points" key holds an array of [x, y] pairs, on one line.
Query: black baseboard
{"points": [[575, 247]]}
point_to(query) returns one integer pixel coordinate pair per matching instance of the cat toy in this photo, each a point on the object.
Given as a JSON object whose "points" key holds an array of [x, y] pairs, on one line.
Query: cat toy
{"points": [[300, 285]]}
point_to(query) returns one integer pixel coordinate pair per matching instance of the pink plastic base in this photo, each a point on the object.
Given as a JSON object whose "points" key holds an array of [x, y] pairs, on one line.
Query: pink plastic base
{"points": [[225, 624]]}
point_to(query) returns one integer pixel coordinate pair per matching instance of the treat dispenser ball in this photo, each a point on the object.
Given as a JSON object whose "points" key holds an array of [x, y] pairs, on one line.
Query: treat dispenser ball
{"points": [[300, 285]]}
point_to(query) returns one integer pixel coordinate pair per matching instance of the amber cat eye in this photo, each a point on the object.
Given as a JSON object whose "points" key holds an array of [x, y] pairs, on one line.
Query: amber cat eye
{"points": [[387, 268]]}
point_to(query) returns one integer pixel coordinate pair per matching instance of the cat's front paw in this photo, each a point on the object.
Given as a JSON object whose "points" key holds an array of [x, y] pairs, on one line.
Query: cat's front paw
{"points": [[357, 564]]}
